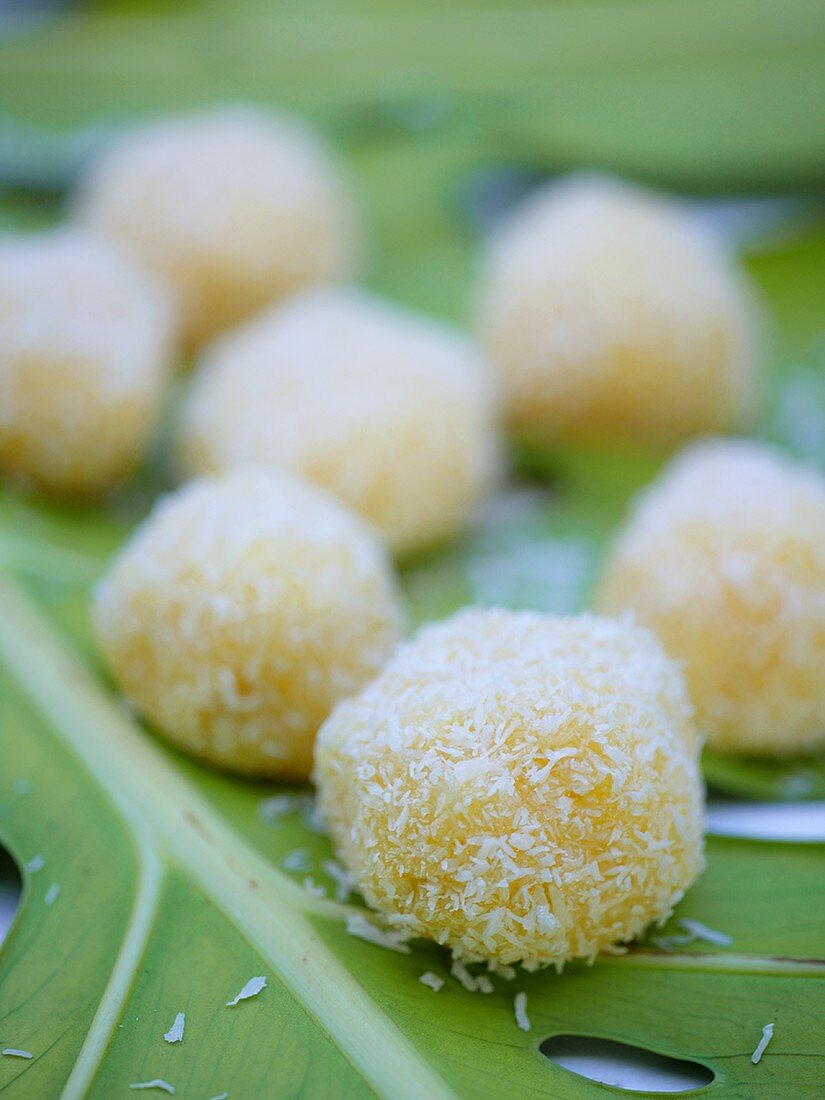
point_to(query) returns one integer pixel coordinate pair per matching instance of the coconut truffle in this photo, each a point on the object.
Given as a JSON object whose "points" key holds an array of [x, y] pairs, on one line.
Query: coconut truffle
{"points": [[391, 412], [724, 557], [610, 315], [519, 787], [240, 612], [85, 346], [235, 206]]}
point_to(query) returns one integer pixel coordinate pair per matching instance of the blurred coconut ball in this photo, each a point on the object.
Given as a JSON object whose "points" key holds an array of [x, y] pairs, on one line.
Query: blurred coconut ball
{"points": [[241, 611], [86, 340], [520, 787], [724, 557], [610, 315], [234, 206], [392, 412]]}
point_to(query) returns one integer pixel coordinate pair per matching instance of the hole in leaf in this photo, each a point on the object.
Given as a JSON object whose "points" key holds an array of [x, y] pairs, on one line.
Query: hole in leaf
{"points": [[622, 1066], [10, 888], [804, 821]]}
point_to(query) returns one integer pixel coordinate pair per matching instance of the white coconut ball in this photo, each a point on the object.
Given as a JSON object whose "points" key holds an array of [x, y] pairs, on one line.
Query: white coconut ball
{"points": [[235, 206], [241, 611], [86, 346], [724, 557], [520, 787], [392, 412], [610, 314]]}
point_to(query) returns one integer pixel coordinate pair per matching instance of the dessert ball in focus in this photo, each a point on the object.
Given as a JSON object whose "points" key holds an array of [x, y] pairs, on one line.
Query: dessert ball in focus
{"points": [[391, 412], [86, 346], [240, 612], [610, 316], [520, 787], [724, 558], [234, 206]]}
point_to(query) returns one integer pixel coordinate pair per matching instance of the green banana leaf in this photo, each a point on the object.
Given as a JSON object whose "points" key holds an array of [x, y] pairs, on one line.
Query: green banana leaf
{"points": [[162, 887], [173, 893]]}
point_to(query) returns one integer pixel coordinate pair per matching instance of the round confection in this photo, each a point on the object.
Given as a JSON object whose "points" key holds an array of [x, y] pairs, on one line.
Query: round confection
{"points": [[240, 612], [519, 787], [85, 347], [610, 315], [724, 557], [391, 412], [235, 206]]}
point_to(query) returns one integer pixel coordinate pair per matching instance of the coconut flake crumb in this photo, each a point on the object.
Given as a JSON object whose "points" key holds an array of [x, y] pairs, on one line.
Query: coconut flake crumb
{"points": [[312, 819], [296, 860], [708, 935], [767, 1035], [340, 876], [358, 925], [670, 943], [273, 810], [501, 970], [21, 786], [432, 981], [175, 1032], [157, 1083], [52, 894], [695, 932], [314, 888], [13, 1052], [520, 1009], [35, 864], [252, 988], [474, 983]]}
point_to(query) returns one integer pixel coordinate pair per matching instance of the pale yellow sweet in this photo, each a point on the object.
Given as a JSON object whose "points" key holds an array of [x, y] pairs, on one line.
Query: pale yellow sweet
{"points": [[609, 315], [520, 787], [241, 611], [392, 412], [235, 206], [724, 557], [86, 346]]}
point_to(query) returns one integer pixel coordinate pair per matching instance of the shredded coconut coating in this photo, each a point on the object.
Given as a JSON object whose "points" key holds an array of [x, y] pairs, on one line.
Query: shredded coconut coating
{"points": [[85, 348], [235, 206], [519, 787], [241, 611], [609, 314], [724, 557], [391, 412]]}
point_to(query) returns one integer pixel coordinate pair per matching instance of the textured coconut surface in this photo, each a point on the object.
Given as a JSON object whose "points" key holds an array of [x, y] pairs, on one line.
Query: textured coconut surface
{"points": [[86, 352], [241, 611], [609, 314], [522, 788], [724, 557], [392, 411], [235, 206]]}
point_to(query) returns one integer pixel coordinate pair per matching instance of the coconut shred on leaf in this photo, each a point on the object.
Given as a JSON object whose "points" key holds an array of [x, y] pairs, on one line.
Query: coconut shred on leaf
{"points": [[252, 988], [175, 1032]]}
